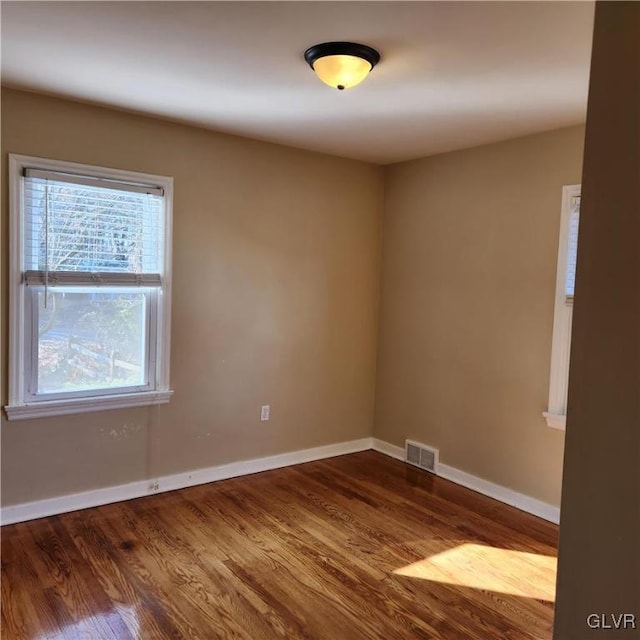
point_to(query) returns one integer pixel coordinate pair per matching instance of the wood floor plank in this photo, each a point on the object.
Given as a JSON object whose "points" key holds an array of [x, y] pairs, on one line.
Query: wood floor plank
{"points": [[354, 547], [389, 549], [97, 547], [76, 592], [278, 565], [314, 541], [19, 580]]}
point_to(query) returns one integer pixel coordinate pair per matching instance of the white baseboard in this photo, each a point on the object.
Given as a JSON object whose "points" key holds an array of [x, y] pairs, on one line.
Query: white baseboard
{"points": [[390, 450], [508, 496], [98, 497]]}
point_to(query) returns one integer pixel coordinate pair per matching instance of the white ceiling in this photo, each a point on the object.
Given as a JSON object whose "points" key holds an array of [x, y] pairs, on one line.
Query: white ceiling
{"points": [[452, 74]]}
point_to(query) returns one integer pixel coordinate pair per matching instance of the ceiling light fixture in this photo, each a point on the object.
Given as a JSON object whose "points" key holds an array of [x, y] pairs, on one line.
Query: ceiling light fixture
{"points": [[341, 64]]}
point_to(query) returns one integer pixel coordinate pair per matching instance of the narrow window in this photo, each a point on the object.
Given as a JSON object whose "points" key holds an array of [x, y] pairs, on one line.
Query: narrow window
{"points": [[563, 313]]}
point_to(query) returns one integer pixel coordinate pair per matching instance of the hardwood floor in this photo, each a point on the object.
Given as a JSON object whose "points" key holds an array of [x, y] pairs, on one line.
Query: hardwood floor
{"points": [[359, 546]]}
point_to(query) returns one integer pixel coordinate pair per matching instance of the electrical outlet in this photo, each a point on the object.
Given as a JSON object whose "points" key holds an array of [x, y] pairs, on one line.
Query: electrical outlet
{"points": [[264, 412]]}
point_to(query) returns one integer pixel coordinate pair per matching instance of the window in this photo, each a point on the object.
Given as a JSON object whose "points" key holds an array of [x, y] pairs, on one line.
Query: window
{"points": [[565, 283], [89, 288]]}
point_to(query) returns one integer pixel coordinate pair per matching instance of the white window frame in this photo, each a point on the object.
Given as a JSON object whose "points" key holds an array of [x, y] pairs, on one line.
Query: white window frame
{"points": [[556, 414], [23, 406]]}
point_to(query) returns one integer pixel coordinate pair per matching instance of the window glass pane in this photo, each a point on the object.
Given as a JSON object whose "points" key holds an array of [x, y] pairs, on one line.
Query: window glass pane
{"points": [[572, 248], [91, 339], [73, 227]]}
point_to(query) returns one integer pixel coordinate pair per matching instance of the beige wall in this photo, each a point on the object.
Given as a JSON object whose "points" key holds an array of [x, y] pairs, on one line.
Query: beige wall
{"points": [[288, 311], [599, 558], [283, 311], [469, 257]]}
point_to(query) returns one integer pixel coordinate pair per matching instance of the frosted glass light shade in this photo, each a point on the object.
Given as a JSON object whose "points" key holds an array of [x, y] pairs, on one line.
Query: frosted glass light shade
{"points": [[341, 64], [341, 71]]}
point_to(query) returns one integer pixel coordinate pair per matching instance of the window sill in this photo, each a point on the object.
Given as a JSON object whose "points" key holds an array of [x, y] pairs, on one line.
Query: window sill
{"points": [[82, 405], [555, 421]]}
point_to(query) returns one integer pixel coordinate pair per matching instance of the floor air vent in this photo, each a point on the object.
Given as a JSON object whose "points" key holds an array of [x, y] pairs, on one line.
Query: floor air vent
{"points": [[419, 455]]}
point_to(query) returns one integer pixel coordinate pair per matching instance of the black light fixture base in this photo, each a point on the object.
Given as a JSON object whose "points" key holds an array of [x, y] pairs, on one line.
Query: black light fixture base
{"points": [[342, 49]]}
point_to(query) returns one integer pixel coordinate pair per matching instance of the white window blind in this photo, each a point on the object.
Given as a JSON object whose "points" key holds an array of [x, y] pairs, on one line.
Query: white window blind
{"points": [[572, 249], [84, 230]]}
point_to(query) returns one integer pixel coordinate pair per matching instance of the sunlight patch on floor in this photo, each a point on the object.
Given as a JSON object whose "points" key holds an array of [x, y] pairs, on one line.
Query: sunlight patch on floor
{"points": [[517, 573]]}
